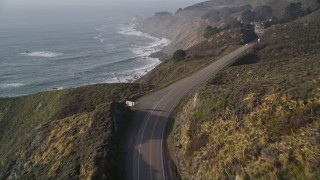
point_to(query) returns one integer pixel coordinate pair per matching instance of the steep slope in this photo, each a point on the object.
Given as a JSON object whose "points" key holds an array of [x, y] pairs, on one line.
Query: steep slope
{"points": [[198, 56], [186, 26], [68, 134], [276, 5], [259, 118]]}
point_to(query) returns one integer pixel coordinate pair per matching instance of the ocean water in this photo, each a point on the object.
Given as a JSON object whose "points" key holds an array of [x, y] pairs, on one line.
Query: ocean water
{"points": [[47, 47]]}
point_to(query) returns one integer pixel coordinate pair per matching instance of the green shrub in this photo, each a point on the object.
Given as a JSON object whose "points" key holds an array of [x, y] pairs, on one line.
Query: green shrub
{"points": [[247, 16], [262, 13], [210, 31], [293, 11], [179, 55]]}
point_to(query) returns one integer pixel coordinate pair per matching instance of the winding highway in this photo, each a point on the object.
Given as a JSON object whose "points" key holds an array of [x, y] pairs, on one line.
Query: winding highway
{"points": [[146, 147]]}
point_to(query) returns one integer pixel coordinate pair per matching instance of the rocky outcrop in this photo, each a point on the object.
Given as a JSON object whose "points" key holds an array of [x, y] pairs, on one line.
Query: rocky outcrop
{"points": [[182, 29], [160, 55]]}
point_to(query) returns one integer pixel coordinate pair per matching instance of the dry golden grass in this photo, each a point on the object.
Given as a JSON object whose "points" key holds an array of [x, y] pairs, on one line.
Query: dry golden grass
{"points": [[59, 142], [259, 118], [63, 134], [171, 71], [244, 147]]}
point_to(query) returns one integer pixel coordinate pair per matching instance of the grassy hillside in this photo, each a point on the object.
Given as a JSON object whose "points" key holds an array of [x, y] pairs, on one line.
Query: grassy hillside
{"points": [[68, 134], [185, 27], [198, 56], [276, 5], [260, 117]]}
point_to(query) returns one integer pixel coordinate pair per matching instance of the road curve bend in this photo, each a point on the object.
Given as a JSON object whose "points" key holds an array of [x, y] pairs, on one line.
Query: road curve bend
{"points": [[146, 158]]}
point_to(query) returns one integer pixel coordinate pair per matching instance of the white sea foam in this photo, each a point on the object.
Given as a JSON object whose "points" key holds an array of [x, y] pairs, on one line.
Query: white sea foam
{"points": [[109, 18], [155, 46], [11, 85], [58, 88], [46, 54], [142, 53], [132, 31], [132, 74], [101, 31]]}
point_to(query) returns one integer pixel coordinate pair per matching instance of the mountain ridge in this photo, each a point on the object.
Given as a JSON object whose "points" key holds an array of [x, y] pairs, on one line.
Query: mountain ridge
{"points": [[185, 27]]}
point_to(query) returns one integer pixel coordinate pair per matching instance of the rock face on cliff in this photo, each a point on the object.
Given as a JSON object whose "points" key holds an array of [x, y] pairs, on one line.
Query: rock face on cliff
{"points": [[182, 32], [67, 134], [185, 27]]}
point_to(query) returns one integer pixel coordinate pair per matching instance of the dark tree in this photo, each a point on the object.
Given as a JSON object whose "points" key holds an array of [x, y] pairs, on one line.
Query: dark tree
{"points": [[233, 23], [212, 16], [210, 31], [179, 55], [263, 13], [225, 12], [293, 11], [162, 13], [179, 10], [244, 8], [308, 11], [247, 16], [247, 26]]}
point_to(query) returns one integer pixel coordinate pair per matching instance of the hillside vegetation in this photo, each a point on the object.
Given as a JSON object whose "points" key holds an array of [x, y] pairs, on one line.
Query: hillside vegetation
{"points": [[198, 56], [68, 134], [259, 118], [185, 28]]}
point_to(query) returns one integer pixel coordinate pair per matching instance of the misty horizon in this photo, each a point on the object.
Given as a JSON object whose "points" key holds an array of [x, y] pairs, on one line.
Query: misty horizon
{"points": [[134, 8]]}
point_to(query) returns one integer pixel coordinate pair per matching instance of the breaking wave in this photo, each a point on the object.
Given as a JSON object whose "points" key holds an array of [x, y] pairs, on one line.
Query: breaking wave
{"points": [[11, 85], [46, 54]]}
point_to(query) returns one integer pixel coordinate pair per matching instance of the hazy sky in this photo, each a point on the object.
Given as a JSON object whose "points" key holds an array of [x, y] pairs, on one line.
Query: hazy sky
{"points": [[29, 2], [131, 7], [77, 3]]}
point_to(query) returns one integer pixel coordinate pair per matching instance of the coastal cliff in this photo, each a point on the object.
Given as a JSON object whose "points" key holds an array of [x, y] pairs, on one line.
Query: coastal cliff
{"points": [[186, 26]]}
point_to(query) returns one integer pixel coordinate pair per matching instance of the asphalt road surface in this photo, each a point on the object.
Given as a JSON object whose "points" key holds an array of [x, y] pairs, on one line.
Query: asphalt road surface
{"points": [[146, 152]]}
